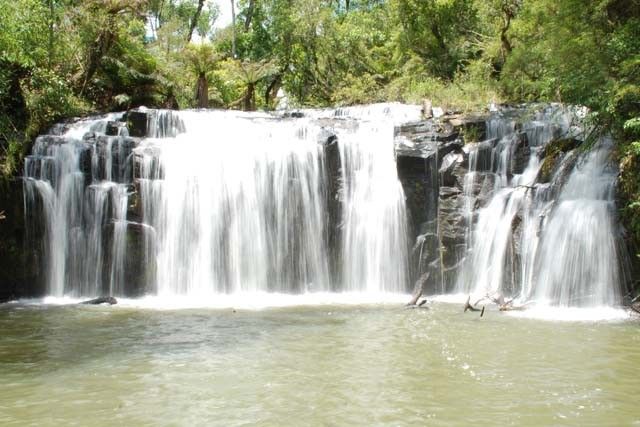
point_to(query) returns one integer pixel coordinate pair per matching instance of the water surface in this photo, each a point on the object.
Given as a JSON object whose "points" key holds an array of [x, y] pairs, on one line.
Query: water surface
{"points": [[323, 365]]}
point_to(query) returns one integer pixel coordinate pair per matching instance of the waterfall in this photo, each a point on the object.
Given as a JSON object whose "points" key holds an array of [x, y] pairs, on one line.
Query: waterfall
{"points": [[211, 202], [77, 180], [204, 203], [578, 253], [544, 242]]}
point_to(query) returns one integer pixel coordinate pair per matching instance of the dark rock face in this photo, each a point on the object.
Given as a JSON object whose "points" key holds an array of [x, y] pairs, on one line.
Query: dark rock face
{"points": [[116, 128], [451, 232], [333, 176], [137, 276], [137, 122], [431, 162], [21, 251], [434, 160], [521, 154]]}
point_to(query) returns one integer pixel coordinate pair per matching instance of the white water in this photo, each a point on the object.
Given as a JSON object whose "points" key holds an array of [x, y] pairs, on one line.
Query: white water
{"points": [[568, 250], [578, 262], [230, 203], [233, 207]]}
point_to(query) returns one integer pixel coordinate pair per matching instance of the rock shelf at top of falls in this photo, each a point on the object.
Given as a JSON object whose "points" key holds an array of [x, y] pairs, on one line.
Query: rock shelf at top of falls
{"points": [[359, 199]]}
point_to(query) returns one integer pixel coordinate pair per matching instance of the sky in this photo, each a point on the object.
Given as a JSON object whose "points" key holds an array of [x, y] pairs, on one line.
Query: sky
{"points": [[225, 13]]}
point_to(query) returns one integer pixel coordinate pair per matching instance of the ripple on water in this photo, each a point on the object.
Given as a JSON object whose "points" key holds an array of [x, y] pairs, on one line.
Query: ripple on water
{"points": [[327, 364]]}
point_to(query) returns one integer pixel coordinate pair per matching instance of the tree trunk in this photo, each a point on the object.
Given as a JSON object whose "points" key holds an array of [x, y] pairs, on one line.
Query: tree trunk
{"points": [[250, 9], [249, 97], [272, 91], [51, 32], [194, 21], [202, 91], [233, 25]]}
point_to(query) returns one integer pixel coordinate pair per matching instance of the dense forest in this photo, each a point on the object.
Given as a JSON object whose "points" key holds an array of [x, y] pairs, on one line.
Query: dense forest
{"points": [[63, 58]]}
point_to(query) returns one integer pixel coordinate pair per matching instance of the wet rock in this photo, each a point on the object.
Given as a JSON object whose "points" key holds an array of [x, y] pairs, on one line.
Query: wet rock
{"points": [[114, 128], [514, 257], [480, 155], [138, 270], [146, 163], [484, 189], [47, 140], [450, 220], [21, 244], [472, 128], [452, 170], [58, 129], [426, 253], [555, 157], [137, 123], [90, 137], [293, 114], [426, 139], [101, 300], [327, 137], [164, 124], [333, 177], [521, 154], [115, 158], [134, 204]]}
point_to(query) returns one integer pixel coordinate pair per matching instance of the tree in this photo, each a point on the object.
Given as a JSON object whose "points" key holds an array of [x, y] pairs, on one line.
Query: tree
{"points": [[201, 60], [194, 20], [233, 28], [250, 74], [438, 31]]}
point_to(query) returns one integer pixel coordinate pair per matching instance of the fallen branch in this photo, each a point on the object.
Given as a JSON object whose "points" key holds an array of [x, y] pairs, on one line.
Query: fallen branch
{"points": [[469, 307], [417, 290]]}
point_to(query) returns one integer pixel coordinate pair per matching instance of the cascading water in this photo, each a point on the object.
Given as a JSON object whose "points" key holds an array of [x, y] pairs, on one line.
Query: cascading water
{"points": [[217, 202], [578, 257], [203, 203], [526, 240], [73, 177]]}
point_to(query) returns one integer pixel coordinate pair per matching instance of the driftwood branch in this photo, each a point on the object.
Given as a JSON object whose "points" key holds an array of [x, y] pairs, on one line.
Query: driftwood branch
{"points": [[417, 290], [469, 307]]}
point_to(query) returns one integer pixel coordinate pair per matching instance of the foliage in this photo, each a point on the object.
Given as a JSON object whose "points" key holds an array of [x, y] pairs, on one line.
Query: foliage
{"points": [[439, 32], [60, 58]]}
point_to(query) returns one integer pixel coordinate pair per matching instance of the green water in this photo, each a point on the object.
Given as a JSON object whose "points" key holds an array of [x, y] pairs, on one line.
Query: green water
{"points": [[317, 366]]}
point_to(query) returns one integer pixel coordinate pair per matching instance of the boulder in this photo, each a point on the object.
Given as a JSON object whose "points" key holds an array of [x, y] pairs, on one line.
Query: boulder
{"points": [[101, 300]]}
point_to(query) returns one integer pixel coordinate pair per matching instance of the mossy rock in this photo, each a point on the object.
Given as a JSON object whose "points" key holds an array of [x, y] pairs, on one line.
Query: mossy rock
{"points": [[553, 153], [562, 145]]}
